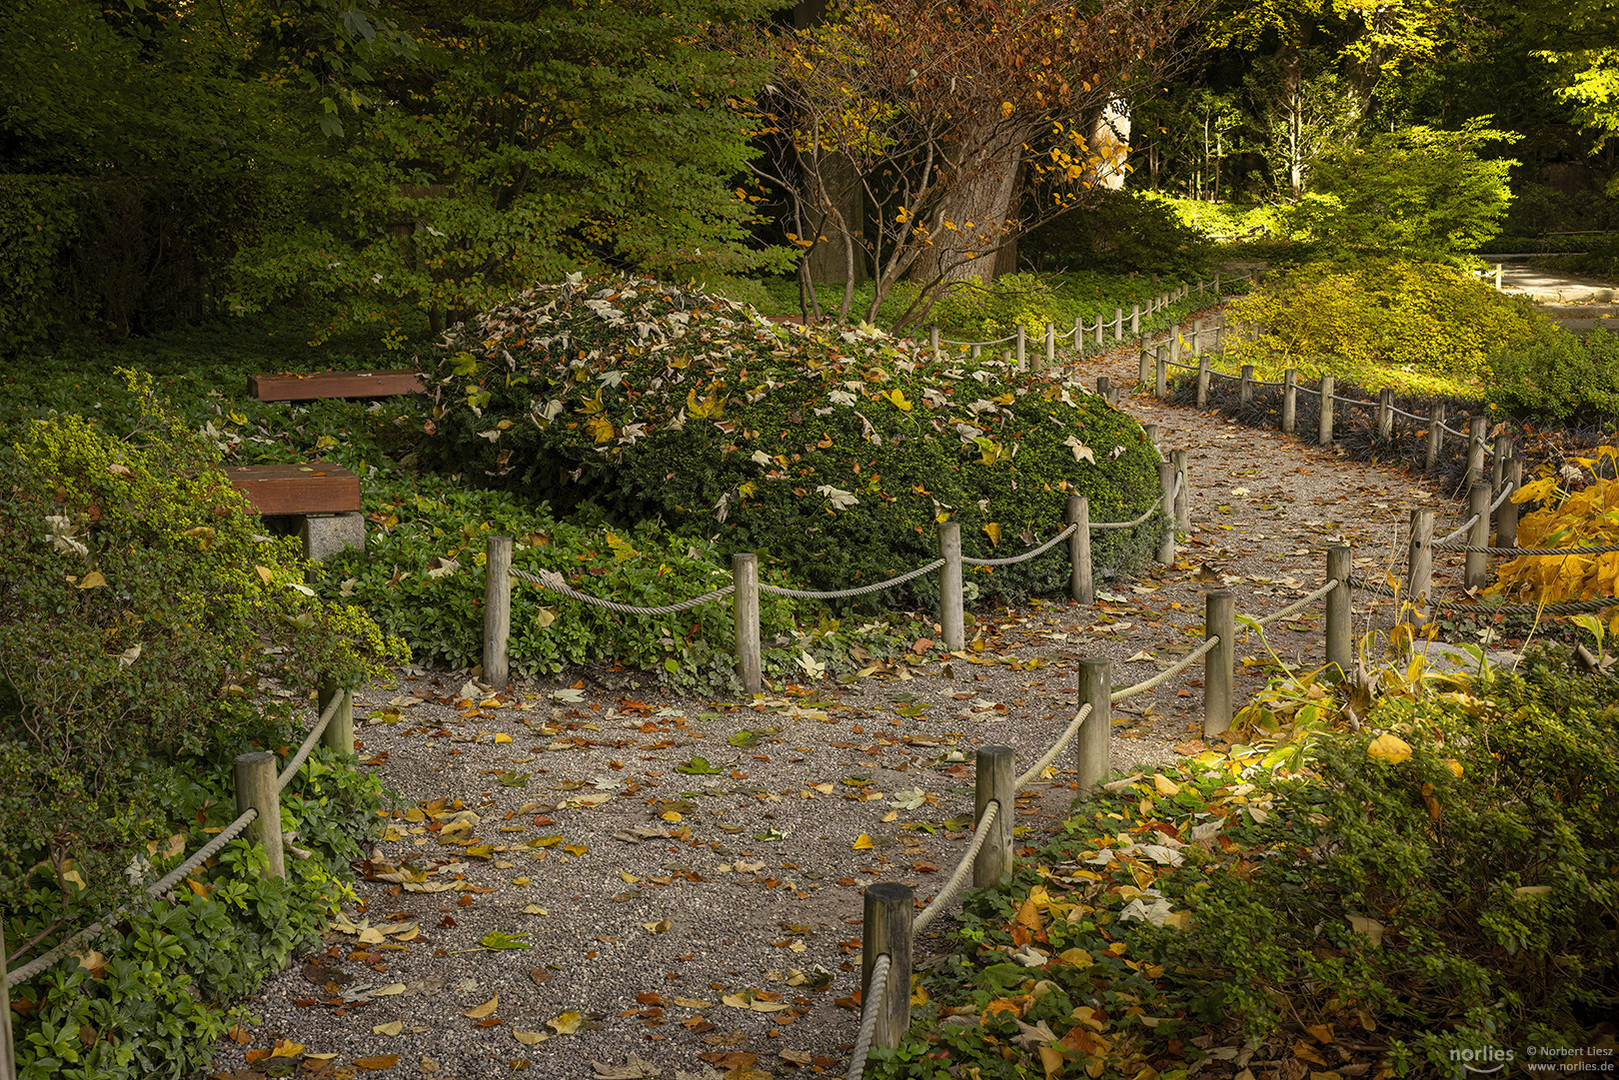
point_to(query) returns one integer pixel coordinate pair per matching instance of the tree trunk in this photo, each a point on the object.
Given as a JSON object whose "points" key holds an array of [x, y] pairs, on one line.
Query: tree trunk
{"points": [[979, 207], [829, 260]]}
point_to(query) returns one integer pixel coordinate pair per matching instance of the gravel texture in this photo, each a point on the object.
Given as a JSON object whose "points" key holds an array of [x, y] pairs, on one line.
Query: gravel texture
{"points": [[669, 893]]}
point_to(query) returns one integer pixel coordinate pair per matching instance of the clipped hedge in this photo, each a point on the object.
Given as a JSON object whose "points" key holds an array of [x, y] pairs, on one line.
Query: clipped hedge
{"points": [[835, 455], [1558, 375]]}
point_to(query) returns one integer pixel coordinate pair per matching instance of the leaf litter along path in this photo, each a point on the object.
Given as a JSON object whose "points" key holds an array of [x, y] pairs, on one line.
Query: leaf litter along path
{"points": [[686, 873]]}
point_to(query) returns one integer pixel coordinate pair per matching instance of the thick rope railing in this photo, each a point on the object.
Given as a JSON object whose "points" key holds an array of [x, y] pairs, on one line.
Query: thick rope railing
{"points": [[550, 579], [871, 1004], [1577, 607], [1540, 552], [1165, 675], [997, 341], [936, 906], [862, 590], [1050, 755], [1145, 514], [158, 888], [1027, 555], [297, 760], [1448, 542], [1297, 605]]}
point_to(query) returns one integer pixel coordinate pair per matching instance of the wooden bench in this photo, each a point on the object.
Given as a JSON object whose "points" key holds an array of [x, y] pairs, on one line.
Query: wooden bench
{"points": [[325, 498], [334, 384]]}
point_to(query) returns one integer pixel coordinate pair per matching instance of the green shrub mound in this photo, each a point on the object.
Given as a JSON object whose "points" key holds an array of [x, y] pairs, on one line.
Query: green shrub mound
{"points": [[1120, 232], [1379, 322], [835, 455], [1557, 375]]}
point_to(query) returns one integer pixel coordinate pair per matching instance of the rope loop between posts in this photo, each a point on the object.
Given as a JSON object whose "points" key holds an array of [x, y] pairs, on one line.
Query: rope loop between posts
{"points": [[1448, 541], [1541, 552], [168, 881], [840, 594], [1298, 605], [871, 1003], [1168, 673], [550, 579], [1027, 555], [1577, 607], [1056, 748], [936, 905], [1145, 514], [297, 760]]}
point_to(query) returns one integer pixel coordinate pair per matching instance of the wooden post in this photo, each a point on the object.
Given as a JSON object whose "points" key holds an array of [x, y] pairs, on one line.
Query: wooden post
{"points": [[8, 1048], [1498, 462], [1183, 494], [1497, 277], [1219, 665], [1051, 345], [1329, 386], [1385, 414], [1166, 482], [1093, 745], [1506, 518], [1079, 336], [1290, 400], [1419, 566], [1340, 650], [1245, 392], [1104, 388], [1143, 365], [886, 931], [1197, 338], [1135, 318], [1099, 325], [1202, 383], [1161, 378], [1217, 291], [1080, 586], [977, 351], [1475, 573], [256, 786], [749, 663], [1022, 345], [1151, 432], [933, 340], [1436, 437], [1118, 324], [339, 733], [1477, 429], [995, 780], [952, 620], [497, 611]]}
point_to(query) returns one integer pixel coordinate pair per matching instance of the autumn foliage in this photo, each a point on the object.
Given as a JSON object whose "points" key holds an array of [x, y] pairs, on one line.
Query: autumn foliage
{"points": [[1588, 517]]}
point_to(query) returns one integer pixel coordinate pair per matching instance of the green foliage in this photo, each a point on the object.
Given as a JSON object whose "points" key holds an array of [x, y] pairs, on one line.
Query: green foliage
{"points": [[1380, 322], [36, 220], [140, 614], [1119, 232], [159, 990], [1414, 192], [833, 456], [1558, 375]]}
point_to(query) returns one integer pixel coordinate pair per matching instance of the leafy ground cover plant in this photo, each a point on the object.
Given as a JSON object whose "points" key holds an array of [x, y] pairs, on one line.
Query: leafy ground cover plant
{"points": [[1420, 327], [1558, 376], [1434, 881], [1565, 518], [834, 457]]}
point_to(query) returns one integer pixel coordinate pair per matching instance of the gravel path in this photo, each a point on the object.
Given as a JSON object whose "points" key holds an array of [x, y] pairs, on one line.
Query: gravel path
{"points": [[685, 919]]}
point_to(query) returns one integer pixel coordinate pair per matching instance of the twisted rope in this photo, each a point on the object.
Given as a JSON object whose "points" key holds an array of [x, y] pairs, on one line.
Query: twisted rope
{"points": [[1446, 542], [876, 990], [936, 906], [839, 594], [158, 888], [1542, 551], [1009, 560], [1145, 514], [1298, 605], [298, 759], [1446, 427], [1056, 748], [1168, 673], [997, 341], [1577, 607], [550, 579]]}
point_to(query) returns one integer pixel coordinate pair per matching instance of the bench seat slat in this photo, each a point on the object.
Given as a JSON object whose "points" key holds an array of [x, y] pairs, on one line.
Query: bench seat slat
{"points": [[334, 384], [317, 487]]}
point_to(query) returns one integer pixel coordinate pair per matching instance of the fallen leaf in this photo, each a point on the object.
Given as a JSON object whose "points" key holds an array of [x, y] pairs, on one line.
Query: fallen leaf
{"points": [[378, 1063], [530, 1038], [566, 1024], [478, 1012], [863, 843], [635, 1067], [1389, 748], [389, 1029], [285, 1049]]}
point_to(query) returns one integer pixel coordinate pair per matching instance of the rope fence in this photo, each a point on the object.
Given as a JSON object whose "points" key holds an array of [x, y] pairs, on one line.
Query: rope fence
{"points": [[258, 804]]}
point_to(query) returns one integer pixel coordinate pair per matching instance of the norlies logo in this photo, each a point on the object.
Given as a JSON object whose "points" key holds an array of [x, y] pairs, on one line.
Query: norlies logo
{"points": [[1487, 1060]]}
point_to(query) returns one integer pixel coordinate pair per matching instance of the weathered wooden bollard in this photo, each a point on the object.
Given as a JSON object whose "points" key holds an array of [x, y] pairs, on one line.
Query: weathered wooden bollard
{"points": [[1475, 570], [995, 784], [1051, 346], [1135, 318], [339, 732], [1151, 432], [1419, 566], [1093, 748], [1498, 462], [1506, 518], [886, 931], [1202, 383], [1166, 483], [1022, 346], [497, 611], [745, 611], [1080, 586], [1340, 647], [1219, 666], [1290, 400], [1245, 389], [1477, 428], [8, 1048], [1436, 437], [1183, 494], [257, 787], [1143, 365], [1160, 385], [1329, 386], [952, 619], [1385, 414]]}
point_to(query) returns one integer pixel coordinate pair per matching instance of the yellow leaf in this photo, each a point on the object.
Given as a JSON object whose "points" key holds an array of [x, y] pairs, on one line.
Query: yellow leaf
{"points": [[502, 737], [863, 843], [600, 428], [478, 1012], [92, 580], [1165, 785], [1051, 1060], [285, 1049], [389, 1029], [530, 1038], [1454, 766], [1029, 915], [993, 531], [575, 850], [1006, 110], [896, 398], [670, 815], [566, 1024], [265, 573], [1389, 748]]}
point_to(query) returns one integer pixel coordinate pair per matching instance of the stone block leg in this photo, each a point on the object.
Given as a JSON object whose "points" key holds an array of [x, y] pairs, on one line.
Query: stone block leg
{"points": [[328, 534]]}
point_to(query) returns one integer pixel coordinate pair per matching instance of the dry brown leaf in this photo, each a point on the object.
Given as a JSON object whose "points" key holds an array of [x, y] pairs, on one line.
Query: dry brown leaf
{"points": [[478, 1012]]}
